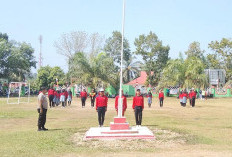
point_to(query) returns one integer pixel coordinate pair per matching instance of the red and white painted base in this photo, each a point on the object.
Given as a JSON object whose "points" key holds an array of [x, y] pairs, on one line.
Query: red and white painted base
{"points": [[119, 129]]}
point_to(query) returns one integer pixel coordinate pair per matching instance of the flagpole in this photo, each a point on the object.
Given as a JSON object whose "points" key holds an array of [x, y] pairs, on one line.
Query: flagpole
{"points": [[120, 89]]}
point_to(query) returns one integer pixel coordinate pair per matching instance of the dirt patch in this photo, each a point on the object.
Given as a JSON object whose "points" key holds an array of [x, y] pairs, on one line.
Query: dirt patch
{"points": [[164, 139]]}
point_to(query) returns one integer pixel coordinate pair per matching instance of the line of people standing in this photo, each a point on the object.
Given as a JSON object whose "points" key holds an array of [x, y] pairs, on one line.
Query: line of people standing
{"points": [[160, 96], [57, 97], [184, 96]]}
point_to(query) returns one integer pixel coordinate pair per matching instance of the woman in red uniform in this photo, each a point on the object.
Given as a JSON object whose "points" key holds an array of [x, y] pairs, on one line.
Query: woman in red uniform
{"points": [[124, 103], [161, 98], [138, 106], [101, 107]]}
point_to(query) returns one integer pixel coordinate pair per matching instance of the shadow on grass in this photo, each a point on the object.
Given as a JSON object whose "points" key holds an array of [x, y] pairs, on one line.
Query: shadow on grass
{"points": [[55, 129]]}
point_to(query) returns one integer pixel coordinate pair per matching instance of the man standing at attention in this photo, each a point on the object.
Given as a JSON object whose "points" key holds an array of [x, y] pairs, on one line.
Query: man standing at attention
{"points": [[124, 103], [138, 105], [42, 109], [83, 97], [101, 107]]}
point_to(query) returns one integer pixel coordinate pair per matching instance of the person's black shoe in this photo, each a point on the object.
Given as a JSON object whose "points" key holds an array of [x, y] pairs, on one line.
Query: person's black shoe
{"points": [[44, 129], [40, 130]]}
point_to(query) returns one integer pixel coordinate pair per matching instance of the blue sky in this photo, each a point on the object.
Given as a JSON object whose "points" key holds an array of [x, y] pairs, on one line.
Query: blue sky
{"points": [[176, 22]]}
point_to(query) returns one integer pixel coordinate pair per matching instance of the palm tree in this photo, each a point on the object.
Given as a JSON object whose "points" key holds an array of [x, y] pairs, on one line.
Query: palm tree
{"points": [[131, 69], [94, 70]]}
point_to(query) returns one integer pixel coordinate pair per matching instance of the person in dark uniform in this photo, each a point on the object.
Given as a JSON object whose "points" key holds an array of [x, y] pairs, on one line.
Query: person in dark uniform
{"points": [[138, 106], [92, 97], [42, 109], [101, 107], [83, 97]]}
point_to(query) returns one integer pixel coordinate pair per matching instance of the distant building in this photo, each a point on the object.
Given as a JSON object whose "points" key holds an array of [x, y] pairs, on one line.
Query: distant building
{"points": [[217, 77], [139, 83]]}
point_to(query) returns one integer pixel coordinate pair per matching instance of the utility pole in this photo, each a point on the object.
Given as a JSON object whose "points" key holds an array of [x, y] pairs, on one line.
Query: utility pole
{"points": [[40, 52]]}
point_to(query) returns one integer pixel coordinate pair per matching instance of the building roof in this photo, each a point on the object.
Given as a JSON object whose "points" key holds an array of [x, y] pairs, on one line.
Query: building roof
{"points": [[140, 80]]}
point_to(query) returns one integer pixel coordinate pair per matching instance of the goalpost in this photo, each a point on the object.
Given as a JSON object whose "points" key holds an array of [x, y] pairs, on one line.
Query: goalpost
{"points": [[18, 92]]}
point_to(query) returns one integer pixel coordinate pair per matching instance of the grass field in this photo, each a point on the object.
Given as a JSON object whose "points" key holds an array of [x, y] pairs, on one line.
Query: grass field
{"points": [[205, 130]]}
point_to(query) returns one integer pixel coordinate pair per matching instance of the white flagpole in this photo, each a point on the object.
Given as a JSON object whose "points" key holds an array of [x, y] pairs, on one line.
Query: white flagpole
{"points": [[120, 93]]}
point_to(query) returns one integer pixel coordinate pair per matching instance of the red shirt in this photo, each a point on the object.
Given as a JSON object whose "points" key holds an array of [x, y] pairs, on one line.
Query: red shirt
{"points": [[55, 93], [185, 95], [138, 101], [84, 94], [63, 93], [66, 94], [190, 95], [50, 92], [149, 95], [181, 96], [124, 102], [194, 94], [161, 95], [101, 101]]}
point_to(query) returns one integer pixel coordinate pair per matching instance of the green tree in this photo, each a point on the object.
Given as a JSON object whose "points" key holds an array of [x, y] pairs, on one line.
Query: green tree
{"points": [[47, 75], [194, 50], [113, 47], [223, 49], [154, 55], [131, 69], [213, 62], [188, 73], [16, 59], [96, 71]]}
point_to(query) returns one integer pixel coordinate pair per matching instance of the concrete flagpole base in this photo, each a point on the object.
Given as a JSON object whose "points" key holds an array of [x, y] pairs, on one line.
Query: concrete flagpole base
{"points": [[119, 129]]}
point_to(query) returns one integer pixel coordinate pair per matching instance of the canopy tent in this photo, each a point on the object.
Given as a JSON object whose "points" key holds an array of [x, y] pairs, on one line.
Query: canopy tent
{"points": [[128, 90], [110, 90]]}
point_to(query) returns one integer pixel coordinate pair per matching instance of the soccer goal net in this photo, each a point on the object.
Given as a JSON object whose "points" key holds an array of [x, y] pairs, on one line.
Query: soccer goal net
{"points": [[18, 92]]}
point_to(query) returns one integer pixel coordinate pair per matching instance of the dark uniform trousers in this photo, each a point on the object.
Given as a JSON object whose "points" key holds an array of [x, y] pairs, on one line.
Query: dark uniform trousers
{"points": [[51, 97], [42, 118], [101, 115], [138, 115], [161, 102], [92, 101], [193, 101], [83, 101], [190, 101]]}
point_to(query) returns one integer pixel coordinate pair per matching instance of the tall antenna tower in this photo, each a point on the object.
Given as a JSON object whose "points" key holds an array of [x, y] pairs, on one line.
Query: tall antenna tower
{"points": [[40, 52]]}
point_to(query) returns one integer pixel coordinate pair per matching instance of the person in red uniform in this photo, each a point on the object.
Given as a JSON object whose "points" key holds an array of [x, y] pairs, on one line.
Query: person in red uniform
{"points": [[66, 96], [190, 97], [124, 103], [51, 96], [101, 107], [138, 105], [194, 95], [181, 98], [161, 98], [83, 97]]}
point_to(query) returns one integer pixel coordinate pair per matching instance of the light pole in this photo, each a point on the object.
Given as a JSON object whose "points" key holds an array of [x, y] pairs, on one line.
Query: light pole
{"points": [[120, 89]]}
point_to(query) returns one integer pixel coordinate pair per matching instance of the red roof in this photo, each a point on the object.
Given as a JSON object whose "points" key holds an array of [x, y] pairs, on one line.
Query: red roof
{"points": [[140, 80]]}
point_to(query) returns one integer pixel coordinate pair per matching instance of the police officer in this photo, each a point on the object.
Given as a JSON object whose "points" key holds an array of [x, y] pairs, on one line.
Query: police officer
{"points": [[138, 105], [42, 109], [101, 107]]}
